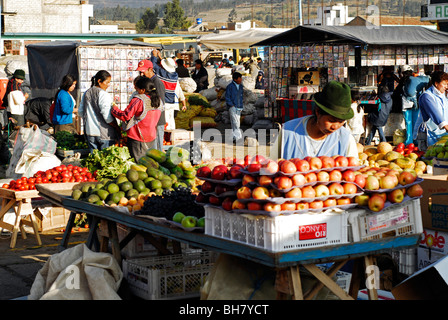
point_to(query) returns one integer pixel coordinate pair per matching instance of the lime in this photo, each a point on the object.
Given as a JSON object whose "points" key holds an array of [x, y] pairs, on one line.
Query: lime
{"points": [[132, 193], [132, 175], [102, 194], [76, 194], [126, 186], [142, 175], [156, 184], [93, 198], [139, 185]]}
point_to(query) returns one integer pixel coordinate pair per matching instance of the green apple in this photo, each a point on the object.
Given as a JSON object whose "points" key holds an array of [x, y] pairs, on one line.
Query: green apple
{"points": [[201, 222], [189, 222], [178, 216]]}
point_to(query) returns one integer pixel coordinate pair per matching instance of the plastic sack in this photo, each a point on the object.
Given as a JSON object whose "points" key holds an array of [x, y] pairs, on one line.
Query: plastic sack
{"points": [[210, 94], [29, 139], [33, 160], [187, 84], [399, 136]]}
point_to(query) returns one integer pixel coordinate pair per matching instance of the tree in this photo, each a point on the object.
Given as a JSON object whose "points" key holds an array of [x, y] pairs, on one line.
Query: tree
{"points": [[174, 17], [148, 22], [232, 16]]}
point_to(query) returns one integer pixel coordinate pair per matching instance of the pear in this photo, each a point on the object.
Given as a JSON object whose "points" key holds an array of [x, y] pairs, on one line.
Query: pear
{"points": [[440, 155], [392, 155]]}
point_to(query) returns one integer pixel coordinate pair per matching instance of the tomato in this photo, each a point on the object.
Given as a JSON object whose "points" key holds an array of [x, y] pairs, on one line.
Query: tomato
{"points": [[24, 178], [5, 186], [72, 179], [44, 180], [19, 181], [70, 167], [85, 169], [88, 175], [22, 188], [31, 186]]}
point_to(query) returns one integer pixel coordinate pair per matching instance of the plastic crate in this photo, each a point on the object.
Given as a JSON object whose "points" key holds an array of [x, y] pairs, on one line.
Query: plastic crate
{"points": [[406, 260], [168, 277], [280, 233], [398, 220]]}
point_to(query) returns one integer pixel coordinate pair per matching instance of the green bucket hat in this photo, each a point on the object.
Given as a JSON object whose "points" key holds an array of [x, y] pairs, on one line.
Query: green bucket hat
{"points": [[335, 99], [19, 74]]}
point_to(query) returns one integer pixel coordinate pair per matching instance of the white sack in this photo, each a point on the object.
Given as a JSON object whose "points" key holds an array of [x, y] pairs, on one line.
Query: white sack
{"points": [[187, 84], [78, 273]]}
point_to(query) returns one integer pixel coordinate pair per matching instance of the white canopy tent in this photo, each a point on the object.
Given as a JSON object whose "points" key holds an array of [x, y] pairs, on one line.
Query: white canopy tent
{"points": [[238, 39]]}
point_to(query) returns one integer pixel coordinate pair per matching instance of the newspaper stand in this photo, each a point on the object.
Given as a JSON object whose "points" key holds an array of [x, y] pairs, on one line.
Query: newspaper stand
{"points": [[20, 201], [286, 263]]}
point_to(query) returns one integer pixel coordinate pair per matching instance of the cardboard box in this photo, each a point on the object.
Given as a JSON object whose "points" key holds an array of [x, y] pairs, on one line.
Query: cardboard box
{"points": [[51, 217], [434, 202], [430, 283], [179, 136], [432, 247]]}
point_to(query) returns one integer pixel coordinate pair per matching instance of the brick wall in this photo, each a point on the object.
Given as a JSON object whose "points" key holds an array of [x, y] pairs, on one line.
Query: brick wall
{"points": [[43, 16]]}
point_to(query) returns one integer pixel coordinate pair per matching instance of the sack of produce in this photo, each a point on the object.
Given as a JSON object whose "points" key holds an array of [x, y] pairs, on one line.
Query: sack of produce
{"points": [[208, 112], [210, 94], [197, 99], [205, 122], [249, 82], [187, 84]]}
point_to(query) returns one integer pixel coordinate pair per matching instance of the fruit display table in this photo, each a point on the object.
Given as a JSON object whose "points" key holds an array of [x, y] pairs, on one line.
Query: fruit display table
{"points": [[20, 201], [285, 263]]}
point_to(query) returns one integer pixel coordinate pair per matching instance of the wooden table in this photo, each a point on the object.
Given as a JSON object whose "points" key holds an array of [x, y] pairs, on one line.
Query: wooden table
{"points": [[285, 263], [21, 202]]}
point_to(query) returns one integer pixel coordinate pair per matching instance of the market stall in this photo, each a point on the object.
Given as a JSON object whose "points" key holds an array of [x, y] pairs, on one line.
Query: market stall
{"points": [[271, 225], [352, 54]]}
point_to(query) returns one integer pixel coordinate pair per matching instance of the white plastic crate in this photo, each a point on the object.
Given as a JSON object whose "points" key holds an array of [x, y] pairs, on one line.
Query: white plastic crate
{"points": [[280, 233], [397, 220], [168, 277]]}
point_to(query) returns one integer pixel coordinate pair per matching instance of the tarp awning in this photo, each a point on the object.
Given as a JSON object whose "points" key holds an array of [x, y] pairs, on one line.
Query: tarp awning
{"points": [[362, 35], [237, 39]]}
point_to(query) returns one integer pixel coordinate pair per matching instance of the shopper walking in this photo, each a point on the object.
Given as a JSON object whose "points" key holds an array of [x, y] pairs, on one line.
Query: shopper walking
{"points": [[378, 118], [234, 102]]}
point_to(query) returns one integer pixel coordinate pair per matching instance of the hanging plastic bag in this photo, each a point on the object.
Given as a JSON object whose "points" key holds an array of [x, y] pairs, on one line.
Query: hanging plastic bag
{"points": [[28, 139]]}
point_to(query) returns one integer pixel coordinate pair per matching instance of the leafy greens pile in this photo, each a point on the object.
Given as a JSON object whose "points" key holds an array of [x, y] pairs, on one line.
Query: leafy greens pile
{"points": [[109, 162]]}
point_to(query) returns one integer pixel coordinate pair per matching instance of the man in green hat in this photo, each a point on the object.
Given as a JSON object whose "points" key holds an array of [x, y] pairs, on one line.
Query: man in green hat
{"points": [[322, 133]]}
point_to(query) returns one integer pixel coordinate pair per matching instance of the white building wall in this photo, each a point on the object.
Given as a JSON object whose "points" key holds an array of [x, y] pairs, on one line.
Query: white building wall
{"points": [[45, 16]]}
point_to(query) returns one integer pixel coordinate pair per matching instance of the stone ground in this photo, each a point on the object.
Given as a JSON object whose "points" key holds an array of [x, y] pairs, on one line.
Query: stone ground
{"points": [[19, 266]]}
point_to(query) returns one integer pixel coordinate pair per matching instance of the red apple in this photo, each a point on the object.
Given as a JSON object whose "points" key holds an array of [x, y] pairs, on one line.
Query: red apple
{"points": [[298, 179], [271, 167], [336, 188], [321, 190], [254, 206], [247, 178], [360, 180], [310, 177], [208, 187], [220, 188], [294, 193], [341, 161], [201, 198], [388, 182], [253, 167], [238, 205], [327, 162], [288, 206], [414, 191], [265, 181], [219, 172], [343, 201], [284, 182], [406, 177], [308, 192], [244, 193], [335, 175], [395, 196], [350, 188], [362, 199], [348, 175], [302, 206], [353, 161], [215, 200], [302, 165], [204, 172], [372, 183], [272, 207], [383, 195], [247, 160], [235, 172], [323, 176], [260, 193], [258, 159], [288, 167], [227, 204], [376, 203], [315, 163], [331, 202], [316, 204]]}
